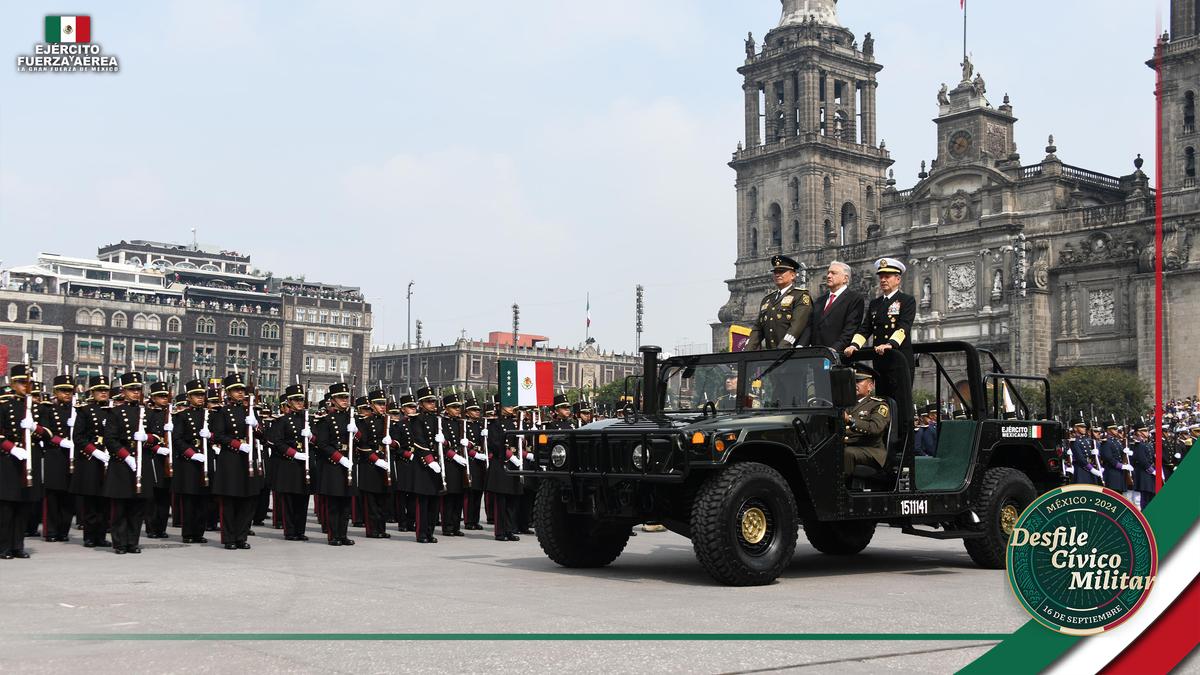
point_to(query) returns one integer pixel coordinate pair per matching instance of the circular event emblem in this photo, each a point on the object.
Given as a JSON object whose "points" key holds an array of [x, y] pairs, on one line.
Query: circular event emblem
{"points": [[1081, 559]]}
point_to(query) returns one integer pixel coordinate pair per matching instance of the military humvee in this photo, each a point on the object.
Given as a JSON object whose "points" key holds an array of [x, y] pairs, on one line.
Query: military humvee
{"points": [[736, 451]]}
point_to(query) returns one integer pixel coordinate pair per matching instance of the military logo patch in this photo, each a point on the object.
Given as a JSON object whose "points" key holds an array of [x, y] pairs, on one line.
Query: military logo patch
{"points": [[764, 307], [807, 300], [883, 410]]}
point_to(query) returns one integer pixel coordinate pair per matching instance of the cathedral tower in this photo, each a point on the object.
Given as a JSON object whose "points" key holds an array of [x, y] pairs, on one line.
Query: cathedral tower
{"points": [[810, 169]]}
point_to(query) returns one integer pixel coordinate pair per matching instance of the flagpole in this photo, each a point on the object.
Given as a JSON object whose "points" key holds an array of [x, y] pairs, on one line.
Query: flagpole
{"points": [[964, 9], [587, 332]]}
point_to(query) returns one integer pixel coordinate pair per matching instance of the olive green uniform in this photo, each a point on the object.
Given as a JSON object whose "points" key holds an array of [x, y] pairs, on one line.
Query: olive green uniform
{"points": [[782, 320], [866, 433]]}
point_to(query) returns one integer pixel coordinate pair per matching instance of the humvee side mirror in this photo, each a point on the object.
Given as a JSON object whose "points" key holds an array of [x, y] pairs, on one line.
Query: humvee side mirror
{"points": [[841, 381]]}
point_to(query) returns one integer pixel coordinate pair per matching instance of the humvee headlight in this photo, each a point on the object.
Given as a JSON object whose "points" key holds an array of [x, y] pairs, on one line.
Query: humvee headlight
{"points": [[639, 457], [719, 445], [558, 456], [698, 438]]}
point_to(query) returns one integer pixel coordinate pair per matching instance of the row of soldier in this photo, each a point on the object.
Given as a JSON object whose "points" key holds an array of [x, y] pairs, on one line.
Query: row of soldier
{"points": [[1116, 456], [209, 459]]}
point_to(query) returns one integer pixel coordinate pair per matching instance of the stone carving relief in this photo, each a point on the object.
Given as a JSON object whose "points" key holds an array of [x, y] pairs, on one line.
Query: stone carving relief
{"points": [[1041, 266], [958, 208], [1099, 247], [1100, 308], [961, 280]]}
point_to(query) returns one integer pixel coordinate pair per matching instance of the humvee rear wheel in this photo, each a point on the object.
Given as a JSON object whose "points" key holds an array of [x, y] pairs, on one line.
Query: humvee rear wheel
{"points": [[575, 540], [844, 538], [1002, 495], [744, 524]]}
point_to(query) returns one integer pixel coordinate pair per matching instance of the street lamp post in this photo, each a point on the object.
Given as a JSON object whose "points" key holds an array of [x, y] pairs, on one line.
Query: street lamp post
{"points": [[408, 342]]}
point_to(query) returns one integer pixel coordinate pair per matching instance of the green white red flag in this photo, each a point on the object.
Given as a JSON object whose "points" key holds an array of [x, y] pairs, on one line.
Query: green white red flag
{"points": [[526, 383], [69, 29]]}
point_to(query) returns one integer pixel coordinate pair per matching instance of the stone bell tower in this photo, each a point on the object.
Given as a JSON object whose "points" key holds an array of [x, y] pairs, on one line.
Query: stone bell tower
{"points": [[810, 169]]}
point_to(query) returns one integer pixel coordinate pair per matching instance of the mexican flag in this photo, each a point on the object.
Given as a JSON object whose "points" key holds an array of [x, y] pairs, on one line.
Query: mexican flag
{"points": [[526, 383], [68, 29]]}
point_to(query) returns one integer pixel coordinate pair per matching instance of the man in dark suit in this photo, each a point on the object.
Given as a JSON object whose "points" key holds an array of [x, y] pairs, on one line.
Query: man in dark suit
{"points": [[888, 325], [838, 313]]}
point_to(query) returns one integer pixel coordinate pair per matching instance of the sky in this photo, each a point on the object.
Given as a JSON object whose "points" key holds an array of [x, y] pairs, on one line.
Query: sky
{"points": [[529, 151]]}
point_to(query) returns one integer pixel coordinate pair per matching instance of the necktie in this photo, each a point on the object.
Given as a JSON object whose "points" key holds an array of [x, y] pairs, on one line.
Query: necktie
{"points": [[828, 303]]}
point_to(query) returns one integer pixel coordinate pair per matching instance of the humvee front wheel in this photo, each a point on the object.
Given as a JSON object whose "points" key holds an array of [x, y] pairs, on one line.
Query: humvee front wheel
{"points": [[575, 540], [1002, 495], [744, 524], [844, 538]]}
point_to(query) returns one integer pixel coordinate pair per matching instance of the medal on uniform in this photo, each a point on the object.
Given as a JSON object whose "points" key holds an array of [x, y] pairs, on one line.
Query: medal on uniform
{"points": [[787, 301], [894, 308]]}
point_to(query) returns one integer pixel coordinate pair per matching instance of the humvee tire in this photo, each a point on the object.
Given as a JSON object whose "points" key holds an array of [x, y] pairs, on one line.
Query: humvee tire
{"points": [[744, 524], [843, 538], [1002, 495], [573, 540]]}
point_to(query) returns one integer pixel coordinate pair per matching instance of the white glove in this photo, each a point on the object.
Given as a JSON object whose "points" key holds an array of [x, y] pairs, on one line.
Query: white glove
{"points": [[1153, 471], [28, 423], [140, 436], [101, 455], [168, 428], [387, 440], [20, 453], [460, 459], [481, 456], [1128, 451], [131, 463], [66, 443], [306, 433], [464, 442], [1097, 472], [516, 460], [381, 464], [251, 422], [1127, 467], [1070, 469], [199, 457], [437, 468], [300, 456], [484, 432], [345, 461], [163, 450], [205, 433], [1178, 456], [352, 427], [440, 438]]}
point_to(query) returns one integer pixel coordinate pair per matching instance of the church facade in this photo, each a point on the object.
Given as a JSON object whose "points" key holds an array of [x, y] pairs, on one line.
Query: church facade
{"points": [[1046, 264]]}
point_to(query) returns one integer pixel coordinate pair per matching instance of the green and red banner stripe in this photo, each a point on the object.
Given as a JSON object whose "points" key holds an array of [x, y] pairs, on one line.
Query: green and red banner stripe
{"points": [[69, 29]]}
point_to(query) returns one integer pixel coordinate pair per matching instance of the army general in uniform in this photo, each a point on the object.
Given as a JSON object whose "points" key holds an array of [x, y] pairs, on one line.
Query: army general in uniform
{"points": [[866, 425], [783, 313]]}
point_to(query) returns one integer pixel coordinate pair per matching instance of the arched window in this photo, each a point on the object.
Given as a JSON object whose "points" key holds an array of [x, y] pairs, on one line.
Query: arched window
{"points": [[796, 232], [1189, 162], [752, 204], [827, 191], [135, 261], [153, 322], [358, 319], [849, 229], [775, 217], [139, 321], [1189, 112], [119, 320], [270, 331], [97, 317], [238, 328], [753, 241], [83, 317], [829, 237], [34, 313], [795, 192], [870, 199], [174, 325], [207, 325], [840, 127]]}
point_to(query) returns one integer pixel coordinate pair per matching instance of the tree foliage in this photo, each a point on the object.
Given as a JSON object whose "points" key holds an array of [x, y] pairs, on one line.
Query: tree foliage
{"points": [[1102, 392]]}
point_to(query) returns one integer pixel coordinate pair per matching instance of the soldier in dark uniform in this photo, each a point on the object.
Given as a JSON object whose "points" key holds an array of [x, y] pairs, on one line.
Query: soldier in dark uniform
{"points": [[402, 458], [18, 462], [562, 419], [58, 418], [474, 444], [372, 473], [583, 413], [427, 478], [505, 489], [866, 425], [361, 412], [129, 483], [91, 462], [1112, 458], [159, 426], [291, 436], [333, 447], [37, 438], [191, 462], [1143, 465], [457, 465], [239, 478], [262, 504], [784, 312], [888, 325], [1086, 470]]}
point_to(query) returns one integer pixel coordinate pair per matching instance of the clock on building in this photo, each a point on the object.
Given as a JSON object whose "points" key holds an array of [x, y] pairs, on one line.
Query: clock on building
{"points": [[960, 143]]}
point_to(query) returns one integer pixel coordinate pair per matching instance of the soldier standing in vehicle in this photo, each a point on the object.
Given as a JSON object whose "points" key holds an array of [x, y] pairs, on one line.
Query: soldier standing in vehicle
{"points": [[783, 313], [866, 425], [888, 324]]}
